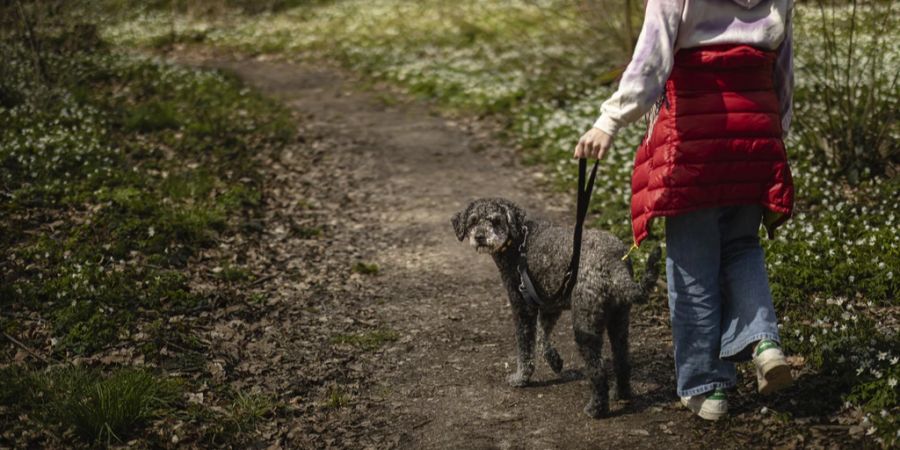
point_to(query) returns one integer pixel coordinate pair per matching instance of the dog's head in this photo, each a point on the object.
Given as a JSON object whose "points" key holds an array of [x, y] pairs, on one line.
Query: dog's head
{"points": [[490, 224]]}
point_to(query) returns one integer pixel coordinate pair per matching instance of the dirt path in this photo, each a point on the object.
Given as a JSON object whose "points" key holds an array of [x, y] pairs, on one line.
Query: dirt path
{"points": [[376, 182]]}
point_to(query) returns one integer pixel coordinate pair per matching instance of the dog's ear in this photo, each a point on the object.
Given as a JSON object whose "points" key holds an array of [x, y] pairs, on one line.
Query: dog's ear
{"points": [[515, 218], [459, 224]]}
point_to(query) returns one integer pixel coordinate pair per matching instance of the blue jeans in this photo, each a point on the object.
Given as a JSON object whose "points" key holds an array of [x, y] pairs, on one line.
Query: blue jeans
{"points": [[719, 298]]}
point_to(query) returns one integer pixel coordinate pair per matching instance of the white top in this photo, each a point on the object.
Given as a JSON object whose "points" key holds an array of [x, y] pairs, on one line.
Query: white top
{"points": [[670, 25]]}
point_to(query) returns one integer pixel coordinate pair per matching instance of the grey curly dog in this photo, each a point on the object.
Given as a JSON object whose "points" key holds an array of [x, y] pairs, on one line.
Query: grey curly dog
{"points": [[601, 300]]}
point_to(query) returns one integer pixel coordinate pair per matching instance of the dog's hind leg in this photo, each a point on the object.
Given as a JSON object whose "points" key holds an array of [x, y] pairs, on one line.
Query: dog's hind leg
{"points": [[618, 338], [526, 323], [548, 321], [588, 324]]}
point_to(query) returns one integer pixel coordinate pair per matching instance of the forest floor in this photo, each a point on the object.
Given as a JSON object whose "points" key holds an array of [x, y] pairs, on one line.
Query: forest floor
{"points": [[381, 330]]}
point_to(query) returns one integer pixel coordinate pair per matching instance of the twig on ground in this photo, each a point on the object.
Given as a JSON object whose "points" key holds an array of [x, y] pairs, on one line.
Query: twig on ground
{"points": [[262, 280], [28, 349]]}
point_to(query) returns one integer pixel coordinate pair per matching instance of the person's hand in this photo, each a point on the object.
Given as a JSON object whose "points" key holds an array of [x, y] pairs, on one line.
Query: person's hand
{"points": [[593, 144]]}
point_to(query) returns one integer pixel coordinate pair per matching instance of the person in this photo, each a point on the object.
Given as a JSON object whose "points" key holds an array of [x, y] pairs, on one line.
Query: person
{"points": [[715, 77]]}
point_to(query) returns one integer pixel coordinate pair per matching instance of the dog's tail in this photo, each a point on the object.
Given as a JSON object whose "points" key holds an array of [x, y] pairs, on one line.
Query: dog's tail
{"points": [[651, 274]]}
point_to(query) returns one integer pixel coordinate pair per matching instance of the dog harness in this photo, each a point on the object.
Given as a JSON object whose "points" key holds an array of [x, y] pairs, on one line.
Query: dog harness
{"points": [[716, 141]]}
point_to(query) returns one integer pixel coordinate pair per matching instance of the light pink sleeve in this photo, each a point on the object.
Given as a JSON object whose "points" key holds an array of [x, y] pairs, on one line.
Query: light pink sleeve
{"points": [[645, 77]]}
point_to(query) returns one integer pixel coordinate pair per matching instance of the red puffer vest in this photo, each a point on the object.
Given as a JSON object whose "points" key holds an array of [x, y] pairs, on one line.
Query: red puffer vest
{"points": [[717, 140]]}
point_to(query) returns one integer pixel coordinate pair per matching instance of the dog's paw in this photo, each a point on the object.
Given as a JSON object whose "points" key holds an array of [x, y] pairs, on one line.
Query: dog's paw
{"points": [[596, 410], [518, 380], [553, 360]]}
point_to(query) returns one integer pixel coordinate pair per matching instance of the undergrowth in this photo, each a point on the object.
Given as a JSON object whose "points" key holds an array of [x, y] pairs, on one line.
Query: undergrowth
{"points": [[115, 171], [99, 409]]}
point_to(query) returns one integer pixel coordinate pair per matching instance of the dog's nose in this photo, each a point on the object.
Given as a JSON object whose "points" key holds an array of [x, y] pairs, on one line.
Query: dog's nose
{"points": [[479, 238]]}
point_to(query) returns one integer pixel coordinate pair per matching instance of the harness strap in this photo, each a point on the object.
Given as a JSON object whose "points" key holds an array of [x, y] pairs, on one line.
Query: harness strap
{"points": [[585, 188], [526, 287]]}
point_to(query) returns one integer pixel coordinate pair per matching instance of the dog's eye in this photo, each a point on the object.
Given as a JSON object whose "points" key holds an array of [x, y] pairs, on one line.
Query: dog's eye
{"points": [[495, 221]]}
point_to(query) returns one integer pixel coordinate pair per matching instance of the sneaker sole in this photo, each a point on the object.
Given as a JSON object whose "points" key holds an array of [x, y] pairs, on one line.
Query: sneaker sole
{"points": [[705, 413], [711, 414], [776, 376]]}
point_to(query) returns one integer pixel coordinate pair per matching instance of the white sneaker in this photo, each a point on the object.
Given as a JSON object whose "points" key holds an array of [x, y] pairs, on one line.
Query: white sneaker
{"points": [[772, 370], [713, 406]]}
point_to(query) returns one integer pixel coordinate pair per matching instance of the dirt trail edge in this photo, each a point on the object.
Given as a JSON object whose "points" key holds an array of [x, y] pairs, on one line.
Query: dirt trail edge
{"points": [[416, 355]]}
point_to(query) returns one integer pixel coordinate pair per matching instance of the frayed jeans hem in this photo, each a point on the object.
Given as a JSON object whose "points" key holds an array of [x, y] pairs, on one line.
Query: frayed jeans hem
{"points": [[733, 350], [709, 387]]}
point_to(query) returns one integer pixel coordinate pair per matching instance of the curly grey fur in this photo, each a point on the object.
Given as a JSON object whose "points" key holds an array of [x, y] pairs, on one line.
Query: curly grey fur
{"points": [[601, 300]]}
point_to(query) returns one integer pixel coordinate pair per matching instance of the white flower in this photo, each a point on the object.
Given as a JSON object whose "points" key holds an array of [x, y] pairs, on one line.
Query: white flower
{"points": [[151, 232], [892, 382]]}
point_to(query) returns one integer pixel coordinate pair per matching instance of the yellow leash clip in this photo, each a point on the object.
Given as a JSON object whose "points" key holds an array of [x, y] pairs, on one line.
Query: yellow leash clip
{"points": [[634, 247]]}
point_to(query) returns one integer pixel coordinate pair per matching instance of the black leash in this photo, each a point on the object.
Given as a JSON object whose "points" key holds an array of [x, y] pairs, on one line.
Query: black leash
{"points": [[526, 287]]}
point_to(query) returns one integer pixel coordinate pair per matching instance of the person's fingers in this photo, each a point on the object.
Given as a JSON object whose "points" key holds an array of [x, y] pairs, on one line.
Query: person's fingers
{"points": [[586, 145], [595, 148], [592, 145]]}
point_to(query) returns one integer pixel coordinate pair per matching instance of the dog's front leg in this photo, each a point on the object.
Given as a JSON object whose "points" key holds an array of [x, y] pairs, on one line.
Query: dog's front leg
{"points": [[525, 320], [548, 321]]}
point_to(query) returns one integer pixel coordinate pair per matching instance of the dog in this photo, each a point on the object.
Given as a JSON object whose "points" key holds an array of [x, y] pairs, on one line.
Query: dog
{"points": [[601, 300]]}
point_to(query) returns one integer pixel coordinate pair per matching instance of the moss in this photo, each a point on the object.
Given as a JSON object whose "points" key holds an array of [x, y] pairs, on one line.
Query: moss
{"points": [[308, 233], [368, 341], [234, 274], [366, 268]]}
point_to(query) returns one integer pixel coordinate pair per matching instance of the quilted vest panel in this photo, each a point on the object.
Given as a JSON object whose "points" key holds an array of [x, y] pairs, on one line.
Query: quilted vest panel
{"points": [[716, 141]]}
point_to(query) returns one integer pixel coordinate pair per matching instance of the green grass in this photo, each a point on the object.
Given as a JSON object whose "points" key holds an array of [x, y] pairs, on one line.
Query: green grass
{"points": [[336, 398], [98, 409], [248, 409]]}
